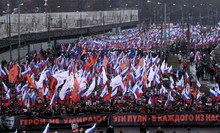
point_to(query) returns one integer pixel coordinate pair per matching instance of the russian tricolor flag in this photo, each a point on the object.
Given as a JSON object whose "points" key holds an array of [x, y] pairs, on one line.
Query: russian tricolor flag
{"points": [[217, 91], [114, 92], [25, 73], [47, 128], [132, 77], [151, 100], [48, 73], [186, 97], [124, 72], [137, 77], [198, 84], [198, 98], [8, 94], [213, 94], [104, 92], [18, 89], [91, 130], [99, 81], [4, 87], [135, 90], [54, 98], [187, 77], [24, 88], [2, 73]]}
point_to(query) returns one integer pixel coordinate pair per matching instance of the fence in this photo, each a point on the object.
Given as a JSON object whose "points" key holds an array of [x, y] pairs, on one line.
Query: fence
{"points": [[40, 22]]}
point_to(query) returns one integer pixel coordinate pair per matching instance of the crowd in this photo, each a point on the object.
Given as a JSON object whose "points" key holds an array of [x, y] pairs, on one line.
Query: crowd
{"points": [[118, 73]]}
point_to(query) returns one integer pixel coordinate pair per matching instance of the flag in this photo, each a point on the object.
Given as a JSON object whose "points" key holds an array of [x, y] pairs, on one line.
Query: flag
{"points": [[105, 62], [124, 72], [169, 100], [198, 84], [151, 75], [33, 98], [18, 89], [13, 74], [104, 77], [186, 97], [25, 73], [171, 82], [2, 73], [124, 65], [92, 60], [54, 98], [198, 97], [4, 87], [213, 94], [114, 92], [75, 91], [151, 100], [217, 91], [163, 66], [91, 130], [7, 97], [90, 90], [187, 77], [163, 90], [31, 82], [63, 90], [47, 128], [24, 88], [104, 92], [116, 81]]}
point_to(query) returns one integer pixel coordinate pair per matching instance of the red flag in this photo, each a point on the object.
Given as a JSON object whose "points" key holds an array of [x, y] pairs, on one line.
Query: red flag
{"points": [[31, 82], [13, 74], [75, 91], [92, 61], [52, 87]]}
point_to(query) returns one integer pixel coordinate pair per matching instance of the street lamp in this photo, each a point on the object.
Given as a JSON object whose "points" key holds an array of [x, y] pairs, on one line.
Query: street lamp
{"points": [[19, 36], [58, 8], [47, 23], [9, 27]]}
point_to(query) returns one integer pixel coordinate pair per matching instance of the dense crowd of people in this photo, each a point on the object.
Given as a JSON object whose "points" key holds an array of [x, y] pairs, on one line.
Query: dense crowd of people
{"points": [[118, 73]]}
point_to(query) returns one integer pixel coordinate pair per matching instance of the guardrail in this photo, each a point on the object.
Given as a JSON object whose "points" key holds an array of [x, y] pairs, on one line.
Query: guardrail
{"points": [[61, 34]]}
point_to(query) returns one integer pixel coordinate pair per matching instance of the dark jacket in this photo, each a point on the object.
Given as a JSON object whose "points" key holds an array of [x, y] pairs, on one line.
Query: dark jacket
{"points": [[159, 131], [110, 130]]}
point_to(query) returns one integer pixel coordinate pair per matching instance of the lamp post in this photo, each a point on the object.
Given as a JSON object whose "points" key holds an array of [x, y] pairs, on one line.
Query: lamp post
{"points": [[9, 28], [47, 23], [19, 36], [165, 24]]}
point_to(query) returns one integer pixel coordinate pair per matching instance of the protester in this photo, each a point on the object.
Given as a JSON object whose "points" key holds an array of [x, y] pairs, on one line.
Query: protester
{"points": [[81, 130], [110, 129], [106, 75], [99, 130], [159, 130]]}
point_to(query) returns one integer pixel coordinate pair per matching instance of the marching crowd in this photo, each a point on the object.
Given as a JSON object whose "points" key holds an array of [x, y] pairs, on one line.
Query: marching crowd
{"points": [[110, 77]]}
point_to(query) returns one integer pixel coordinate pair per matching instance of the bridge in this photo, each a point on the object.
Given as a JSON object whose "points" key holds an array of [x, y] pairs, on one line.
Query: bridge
{"points": [[37, 28]]}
